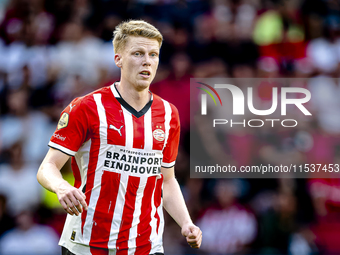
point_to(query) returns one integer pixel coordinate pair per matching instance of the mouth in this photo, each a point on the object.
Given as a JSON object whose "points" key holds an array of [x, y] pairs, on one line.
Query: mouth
{"points": [[145, 74]]}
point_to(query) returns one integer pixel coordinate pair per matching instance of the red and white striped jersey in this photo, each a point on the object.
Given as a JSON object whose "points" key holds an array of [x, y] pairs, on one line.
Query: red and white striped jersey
{"points": [[117, 156]]}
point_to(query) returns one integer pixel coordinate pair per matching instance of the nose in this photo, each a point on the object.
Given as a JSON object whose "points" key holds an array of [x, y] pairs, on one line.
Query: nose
{"points": [[146, 60]]}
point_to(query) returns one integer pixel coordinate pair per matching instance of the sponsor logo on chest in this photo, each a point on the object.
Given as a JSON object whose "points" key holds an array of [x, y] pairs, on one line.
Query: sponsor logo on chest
{"points": [[133, 161]]}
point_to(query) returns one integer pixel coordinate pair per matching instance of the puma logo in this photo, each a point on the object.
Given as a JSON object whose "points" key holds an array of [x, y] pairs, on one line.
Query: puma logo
{"points": [[118, 130], [71, 106]]}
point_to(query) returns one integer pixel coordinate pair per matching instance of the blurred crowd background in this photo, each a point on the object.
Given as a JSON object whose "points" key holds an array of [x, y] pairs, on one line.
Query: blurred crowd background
{"points": [[52, 51]]}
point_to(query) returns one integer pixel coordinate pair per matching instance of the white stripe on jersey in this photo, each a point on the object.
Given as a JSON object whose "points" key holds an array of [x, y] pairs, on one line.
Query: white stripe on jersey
{"points": [[63, 149], [131, 251], [153, 222], [136, 215], [82, 158], [128, 129], [148, 139], [114, 90], [118, 212], [98, 174], [167, 119], [168, 165], [159, 241]]}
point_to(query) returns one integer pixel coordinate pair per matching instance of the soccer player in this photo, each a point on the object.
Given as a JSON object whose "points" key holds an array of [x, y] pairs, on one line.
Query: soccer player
{"points": [[123, 141]]}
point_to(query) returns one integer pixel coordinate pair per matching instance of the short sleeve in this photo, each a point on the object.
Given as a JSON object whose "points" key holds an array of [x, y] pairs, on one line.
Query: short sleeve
{"points": [[72, 128], [171, 148]]}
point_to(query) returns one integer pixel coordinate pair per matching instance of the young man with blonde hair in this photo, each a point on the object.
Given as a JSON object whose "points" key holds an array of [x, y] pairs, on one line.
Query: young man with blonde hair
{"points": [[123, 141]]}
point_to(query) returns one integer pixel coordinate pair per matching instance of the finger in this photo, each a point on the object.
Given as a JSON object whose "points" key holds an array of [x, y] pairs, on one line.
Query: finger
{"points": [[197, 240], [185, 233], [195, 231], [81, 198], [200, 242], [199, 237], [76, 203], [83, 195], [69, 211], [71, 206], [63, 204], [191, 236], [195, 246], [192, 241]]}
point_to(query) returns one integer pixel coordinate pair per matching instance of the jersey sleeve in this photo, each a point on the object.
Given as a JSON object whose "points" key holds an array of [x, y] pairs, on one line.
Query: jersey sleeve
{"points": [[72, 128], [171, 148]]}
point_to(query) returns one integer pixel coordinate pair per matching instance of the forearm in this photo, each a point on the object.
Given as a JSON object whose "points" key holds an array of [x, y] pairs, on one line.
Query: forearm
{"points": [[49, 175], [174, 203]]}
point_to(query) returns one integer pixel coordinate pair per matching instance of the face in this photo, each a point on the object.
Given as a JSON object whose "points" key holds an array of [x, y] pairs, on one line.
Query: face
{"points": [[138, 62]]}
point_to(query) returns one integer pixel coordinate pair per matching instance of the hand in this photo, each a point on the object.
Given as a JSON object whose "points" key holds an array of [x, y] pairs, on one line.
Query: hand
{"points": [[71, 198], [193, 235]]}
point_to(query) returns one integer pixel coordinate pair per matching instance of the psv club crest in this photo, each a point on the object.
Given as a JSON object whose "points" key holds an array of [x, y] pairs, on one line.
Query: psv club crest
{"points": [[159, 135]]}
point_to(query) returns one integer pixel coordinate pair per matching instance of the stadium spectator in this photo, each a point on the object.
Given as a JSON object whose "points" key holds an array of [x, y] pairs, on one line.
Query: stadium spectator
{"points": [[228, 226], [29, 238], [18, 182]]}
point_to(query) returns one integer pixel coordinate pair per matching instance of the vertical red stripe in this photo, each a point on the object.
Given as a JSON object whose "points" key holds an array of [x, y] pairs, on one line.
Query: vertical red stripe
{"points": [[143, 250], [76, 173], [103, 214], [158, 119], [158, 199], [95, 251], [138, 132], [144, 229], [115, 120], [127, 217]]}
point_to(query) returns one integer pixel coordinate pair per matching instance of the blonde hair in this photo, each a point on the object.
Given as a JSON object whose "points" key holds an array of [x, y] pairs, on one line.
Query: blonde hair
{"points": [[134, 28]]}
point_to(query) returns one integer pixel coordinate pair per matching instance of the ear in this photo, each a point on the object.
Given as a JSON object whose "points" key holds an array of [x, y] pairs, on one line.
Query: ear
{"points": [[118, 60]]}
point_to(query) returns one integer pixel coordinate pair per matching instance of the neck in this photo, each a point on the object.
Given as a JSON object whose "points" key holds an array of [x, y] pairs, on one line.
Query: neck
{"points": [[136, 99]]}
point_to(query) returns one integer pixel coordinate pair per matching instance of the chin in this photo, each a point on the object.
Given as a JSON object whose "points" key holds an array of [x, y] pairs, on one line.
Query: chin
{"points": [[141, 85]]}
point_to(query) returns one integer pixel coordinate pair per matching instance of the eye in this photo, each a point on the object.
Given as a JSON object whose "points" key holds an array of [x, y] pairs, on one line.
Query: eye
{"points": [[153, 54], [137, 54]]}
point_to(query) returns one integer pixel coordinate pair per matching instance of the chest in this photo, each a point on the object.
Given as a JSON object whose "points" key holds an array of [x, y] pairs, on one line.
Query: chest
{"points": [[118, 126]]}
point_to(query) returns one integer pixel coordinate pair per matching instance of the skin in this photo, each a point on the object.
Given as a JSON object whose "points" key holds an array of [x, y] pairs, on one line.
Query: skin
{"points": [[138, 54], [174, 204], [49, 176]]}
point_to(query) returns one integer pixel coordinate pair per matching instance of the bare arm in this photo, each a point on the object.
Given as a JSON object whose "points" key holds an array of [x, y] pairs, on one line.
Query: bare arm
{"points": [[174, 204], [49, 177]]}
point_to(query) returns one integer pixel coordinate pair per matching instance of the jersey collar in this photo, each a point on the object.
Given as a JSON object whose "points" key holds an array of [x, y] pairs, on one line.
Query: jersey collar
{"points": [[129, 107]]}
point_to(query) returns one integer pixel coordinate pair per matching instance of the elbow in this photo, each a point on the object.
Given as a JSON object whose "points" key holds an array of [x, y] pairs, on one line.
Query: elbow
{"points": [[39, 175], [169, 181]]}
